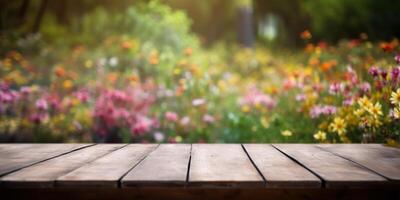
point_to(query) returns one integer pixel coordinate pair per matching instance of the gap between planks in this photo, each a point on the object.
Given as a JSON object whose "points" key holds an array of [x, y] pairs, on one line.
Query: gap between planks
{"points": [[254, 164], [144, 157], [46, 158], [323, 184]]}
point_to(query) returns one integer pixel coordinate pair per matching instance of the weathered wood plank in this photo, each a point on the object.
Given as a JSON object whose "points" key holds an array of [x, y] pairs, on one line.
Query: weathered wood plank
{"points": [[44, 174], [166, 166], [108, 170], [376, 157], [279, 170], [222, 165], [17, 156], [334, 170]]}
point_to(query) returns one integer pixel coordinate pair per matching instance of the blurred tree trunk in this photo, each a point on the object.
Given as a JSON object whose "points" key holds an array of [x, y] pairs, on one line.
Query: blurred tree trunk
{"points": [[22, 11], [39, 16], [245, 24], [245, 28]]}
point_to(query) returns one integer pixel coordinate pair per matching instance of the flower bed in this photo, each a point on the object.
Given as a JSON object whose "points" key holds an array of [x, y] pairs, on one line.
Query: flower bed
{"points": [[138, 88]]}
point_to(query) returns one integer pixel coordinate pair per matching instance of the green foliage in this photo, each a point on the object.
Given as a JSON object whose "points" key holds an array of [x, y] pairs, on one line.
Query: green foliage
{"points": [[155, 24], [334, 19]]}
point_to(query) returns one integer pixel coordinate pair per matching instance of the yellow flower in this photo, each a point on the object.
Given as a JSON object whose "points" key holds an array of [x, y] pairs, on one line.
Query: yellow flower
{"points": [[222, 85], [359, 112], [392, 143], [395, 97], [264, 122], [375, 123], [177, 71], [67, 84], [88, 63], [320, 135], [286, 133], [338, 125], [246, 108], [364, 102], [178, 139], [375, 109]]}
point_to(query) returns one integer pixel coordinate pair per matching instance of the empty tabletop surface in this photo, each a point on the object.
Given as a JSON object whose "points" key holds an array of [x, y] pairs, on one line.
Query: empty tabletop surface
{"points": [[199, 165]]}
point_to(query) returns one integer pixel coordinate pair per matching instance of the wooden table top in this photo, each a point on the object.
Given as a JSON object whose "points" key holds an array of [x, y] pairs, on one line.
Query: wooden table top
{"points": [[199, 165]]}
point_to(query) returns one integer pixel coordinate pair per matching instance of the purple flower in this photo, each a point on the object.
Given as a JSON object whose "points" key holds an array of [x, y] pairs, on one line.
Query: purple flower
{"points": [[39, 117], [348, 102], [83, 95], [335, 88], [365, 87], [8, 96], [319, 110], [25, 90], [374, 71], [395, 73], [41, 104], [4, 86], [383, 74], [329, 110]]}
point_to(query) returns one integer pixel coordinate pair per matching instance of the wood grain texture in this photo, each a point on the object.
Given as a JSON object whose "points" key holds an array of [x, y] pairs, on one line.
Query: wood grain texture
{"points": [[17, 156], [165, 166], [222, 165], [45, 173], [108, 170], [334, 170], [279, 170], [382, 160]]}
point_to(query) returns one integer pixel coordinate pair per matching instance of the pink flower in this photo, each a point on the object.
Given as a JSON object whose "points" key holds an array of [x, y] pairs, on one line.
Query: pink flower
{"points": [[127, 108], [397, 58], [208, 118], [348, 102], [83, 95], [288, 84], [365, 87], [55, 102], [25, 90], [198, 102], [383, 74], [374, 71], [143, 125], [171, 116], [351, 75], [395, 73], [185, 121], [39, 117], [319, 110], [300, 97], [41, 104], [254, 97], [335, 88]]}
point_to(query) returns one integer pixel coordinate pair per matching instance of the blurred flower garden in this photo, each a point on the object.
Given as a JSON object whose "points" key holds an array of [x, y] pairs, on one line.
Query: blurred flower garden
{"points": [[109, 81]]}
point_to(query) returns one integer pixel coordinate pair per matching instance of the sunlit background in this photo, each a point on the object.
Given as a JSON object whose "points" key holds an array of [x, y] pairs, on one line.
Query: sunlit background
{"points": [[200, 71]]}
